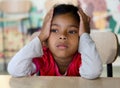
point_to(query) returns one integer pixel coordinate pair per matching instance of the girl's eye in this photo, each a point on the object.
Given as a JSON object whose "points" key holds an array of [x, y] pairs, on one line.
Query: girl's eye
{"points": [[72, 32], [53, 30]]}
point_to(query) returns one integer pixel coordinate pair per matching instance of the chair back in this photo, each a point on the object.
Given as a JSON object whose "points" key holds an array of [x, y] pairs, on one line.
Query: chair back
{"points": [[107, 45]]}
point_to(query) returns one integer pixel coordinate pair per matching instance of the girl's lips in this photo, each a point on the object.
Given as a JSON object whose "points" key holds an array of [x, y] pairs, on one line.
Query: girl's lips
{"points": [[62, 46]]}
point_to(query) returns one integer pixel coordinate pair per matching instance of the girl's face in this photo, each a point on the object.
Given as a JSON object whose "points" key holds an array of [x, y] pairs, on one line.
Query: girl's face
{"points": [[64, 36]]}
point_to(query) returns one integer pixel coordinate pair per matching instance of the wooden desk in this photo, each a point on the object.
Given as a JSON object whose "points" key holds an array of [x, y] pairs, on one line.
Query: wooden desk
{"points": [[57, 82]]}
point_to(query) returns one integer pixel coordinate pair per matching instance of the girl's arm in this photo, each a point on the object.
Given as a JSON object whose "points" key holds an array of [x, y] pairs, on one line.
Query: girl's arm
{"points": [[91, 66], [21, 64]]}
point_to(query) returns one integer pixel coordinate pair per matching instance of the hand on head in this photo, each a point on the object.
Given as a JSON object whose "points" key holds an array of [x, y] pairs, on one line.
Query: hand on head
{"points": [[84, 21], [84, 26], [45, 31]]}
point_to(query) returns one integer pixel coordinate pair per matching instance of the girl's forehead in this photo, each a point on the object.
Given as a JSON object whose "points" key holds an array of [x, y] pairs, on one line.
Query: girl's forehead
{"points": [[67, 16], [65, 20], [64, 15]]}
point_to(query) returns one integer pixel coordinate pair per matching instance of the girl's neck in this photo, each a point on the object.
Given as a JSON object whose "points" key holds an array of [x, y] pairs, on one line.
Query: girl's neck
{"points": [[63, 64]]}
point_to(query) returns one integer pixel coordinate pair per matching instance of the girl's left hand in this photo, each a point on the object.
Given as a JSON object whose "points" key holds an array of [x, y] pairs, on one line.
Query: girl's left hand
{"points": [[84, 22]]}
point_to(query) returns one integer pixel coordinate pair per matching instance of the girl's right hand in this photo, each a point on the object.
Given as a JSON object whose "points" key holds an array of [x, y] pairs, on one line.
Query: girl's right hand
{"points": [[45, 31]]}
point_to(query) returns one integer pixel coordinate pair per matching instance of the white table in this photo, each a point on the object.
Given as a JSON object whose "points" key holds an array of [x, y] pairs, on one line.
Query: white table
{"points": [[7, 81]]}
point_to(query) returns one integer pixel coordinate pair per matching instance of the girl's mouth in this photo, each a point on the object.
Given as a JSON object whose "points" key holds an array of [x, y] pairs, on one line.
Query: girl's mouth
{"points": [[62, 46]]}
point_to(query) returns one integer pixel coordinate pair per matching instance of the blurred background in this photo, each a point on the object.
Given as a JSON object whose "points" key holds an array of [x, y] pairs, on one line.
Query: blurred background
{"points": [[19, 19]]}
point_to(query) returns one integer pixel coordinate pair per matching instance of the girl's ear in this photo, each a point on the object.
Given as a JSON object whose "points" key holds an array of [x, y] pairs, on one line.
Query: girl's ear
{"points": [[45, 44]]}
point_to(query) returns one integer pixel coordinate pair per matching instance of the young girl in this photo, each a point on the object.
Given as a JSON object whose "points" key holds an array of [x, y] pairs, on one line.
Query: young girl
{"points": [[68, 48]]}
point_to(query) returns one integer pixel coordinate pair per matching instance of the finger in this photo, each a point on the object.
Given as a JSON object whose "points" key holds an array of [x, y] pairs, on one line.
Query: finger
{"points": [[84, 22], [83, 16], [47, 20], [79, 4], [49, 15]]}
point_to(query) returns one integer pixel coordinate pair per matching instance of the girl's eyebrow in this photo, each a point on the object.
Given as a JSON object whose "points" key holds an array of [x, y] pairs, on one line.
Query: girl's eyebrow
{"points": [[72, 25], [54, 24], [76, 26]]}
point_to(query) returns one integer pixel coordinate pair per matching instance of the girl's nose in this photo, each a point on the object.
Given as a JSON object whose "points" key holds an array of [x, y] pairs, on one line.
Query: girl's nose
{"points": [[63, 37]]}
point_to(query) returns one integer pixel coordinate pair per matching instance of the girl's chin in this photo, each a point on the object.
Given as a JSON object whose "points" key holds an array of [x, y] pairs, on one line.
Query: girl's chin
{"points": [[62, 56]]}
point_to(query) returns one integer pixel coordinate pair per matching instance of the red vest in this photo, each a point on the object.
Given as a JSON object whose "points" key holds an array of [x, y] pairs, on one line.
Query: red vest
{"points": [[48, 67]]}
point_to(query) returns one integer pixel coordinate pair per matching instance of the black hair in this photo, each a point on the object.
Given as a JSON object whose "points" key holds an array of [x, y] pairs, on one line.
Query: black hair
{"points": [[66, 8]]}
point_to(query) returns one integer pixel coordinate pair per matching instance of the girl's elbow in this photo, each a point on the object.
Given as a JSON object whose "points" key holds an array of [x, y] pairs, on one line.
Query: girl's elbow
{"points": [[91, 74], [11, 71]]}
